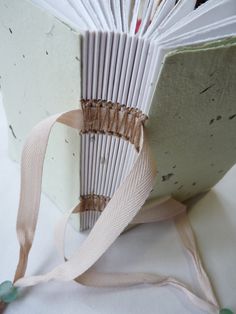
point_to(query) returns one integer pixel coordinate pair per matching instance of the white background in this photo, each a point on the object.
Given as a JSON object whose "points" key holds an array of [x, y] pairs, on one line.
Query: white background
{"points": [[154, 248]]}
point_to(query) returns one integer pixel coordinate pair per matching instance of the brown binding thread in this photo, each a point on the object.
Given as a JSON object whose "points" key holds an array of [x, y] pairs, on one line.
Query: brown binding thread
{"points": [[92, 202], [109, 118], [115, 119]]}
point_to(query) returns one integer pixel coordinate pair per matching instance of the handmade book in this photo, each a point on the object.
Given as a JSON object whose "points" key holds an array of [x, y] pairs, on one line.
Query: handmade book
{"points": [[147, 88], [170, 64]]}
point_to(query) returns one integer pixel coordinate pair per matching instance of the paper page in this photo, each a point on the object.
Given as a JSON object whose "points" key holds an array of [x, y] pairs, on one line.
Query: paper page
{"points": [[113, 66], [83, 14], [110, 168], [124, 68], [182, 9], [63, 11], [145, 18], [116, 10], [85, 49], [98, 157], [109, 187], [129, 71], [108, 56], [101, 64], [210, 12], [99, 14], [125, 10], [91, 44], [94, 166], [104, 5], [117, 76], [97, 49], [137, 66], [149, 64], [164, 8], [140, 75]]}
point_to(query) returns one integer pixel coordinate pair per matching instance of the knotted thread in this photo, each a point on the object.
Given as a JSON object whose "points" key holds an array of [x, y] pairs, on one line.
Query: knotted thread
{"points": [[94, 202], [112, 118]]}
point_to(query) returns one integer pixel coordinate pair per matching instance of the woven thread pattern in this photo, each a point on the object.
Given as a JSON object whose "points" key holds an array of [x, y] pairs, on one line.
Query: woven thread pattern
{"points": [[106, 117]]}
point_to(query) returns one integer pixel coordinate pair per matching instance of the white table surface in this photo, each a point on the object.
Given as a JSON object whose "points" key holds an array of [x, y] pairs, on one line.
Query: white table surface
{"points": [[153, 247]]}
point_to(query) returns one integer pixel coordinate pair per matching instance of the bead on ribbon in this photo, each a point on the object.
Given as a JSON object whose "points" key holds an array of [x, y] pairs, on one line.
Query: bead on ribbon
{"points": [[8, 292]]}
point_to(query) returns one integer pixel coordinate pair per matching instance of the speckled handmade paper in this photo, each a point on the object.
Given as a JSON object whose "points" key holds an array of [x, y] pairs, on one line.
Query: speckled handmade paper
{"points": [[40, 76], [192, 125]]}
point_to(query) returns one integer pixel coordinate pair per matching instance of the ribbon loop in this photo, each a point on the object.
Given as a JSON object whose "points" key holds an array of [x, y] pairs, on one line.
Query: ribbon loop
{"points": [[121, 210]]}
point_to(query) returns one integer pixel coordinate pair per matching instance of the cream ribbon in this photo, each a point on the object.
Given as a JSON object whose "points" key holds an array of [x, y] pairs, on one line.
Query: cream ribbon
{"points": [[121, 210]]}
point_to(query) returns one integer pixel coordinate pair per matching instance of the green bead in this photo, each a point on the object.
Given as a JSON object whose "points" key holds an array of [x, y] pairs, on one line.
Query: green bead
{"points": [[226, 311], [8, 292]]}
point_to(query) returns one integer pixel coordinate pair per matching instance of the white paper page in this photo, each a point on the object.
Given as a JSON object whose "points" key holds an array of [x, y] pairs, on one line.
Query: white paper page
{"points": [[92, 13], [224, 28], [119, 62], [99, 13], [113, 163], [94, 169], [210, 12], [106, 159], [97, 49], [129, 70], [109, 168], [82, 163], [101, 162], [101, 64], [149, 64], [113, 65], [83, 13], [155, 8], [108, 56], [86, 163], [90, 166], [182, 8], [85, 49], [62, 11], [116, 10], [145, 17], [91, 44], [85, 6], [98, 154], [164, 8], [136, 84], [124, 68], [125, 9], [104, 5]]}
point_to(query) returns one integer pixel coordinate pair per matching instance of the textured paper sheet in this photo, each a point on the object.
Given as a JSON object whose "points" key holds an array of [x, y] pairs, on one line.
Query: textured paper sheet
{"points": [[40, 70], [192, 122]]}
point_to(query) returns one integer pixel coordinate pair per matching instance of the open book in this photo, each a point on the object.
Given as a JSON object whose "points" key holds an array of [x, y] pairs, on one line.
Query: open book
{"points": [[124, 45], [171, 63]]}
